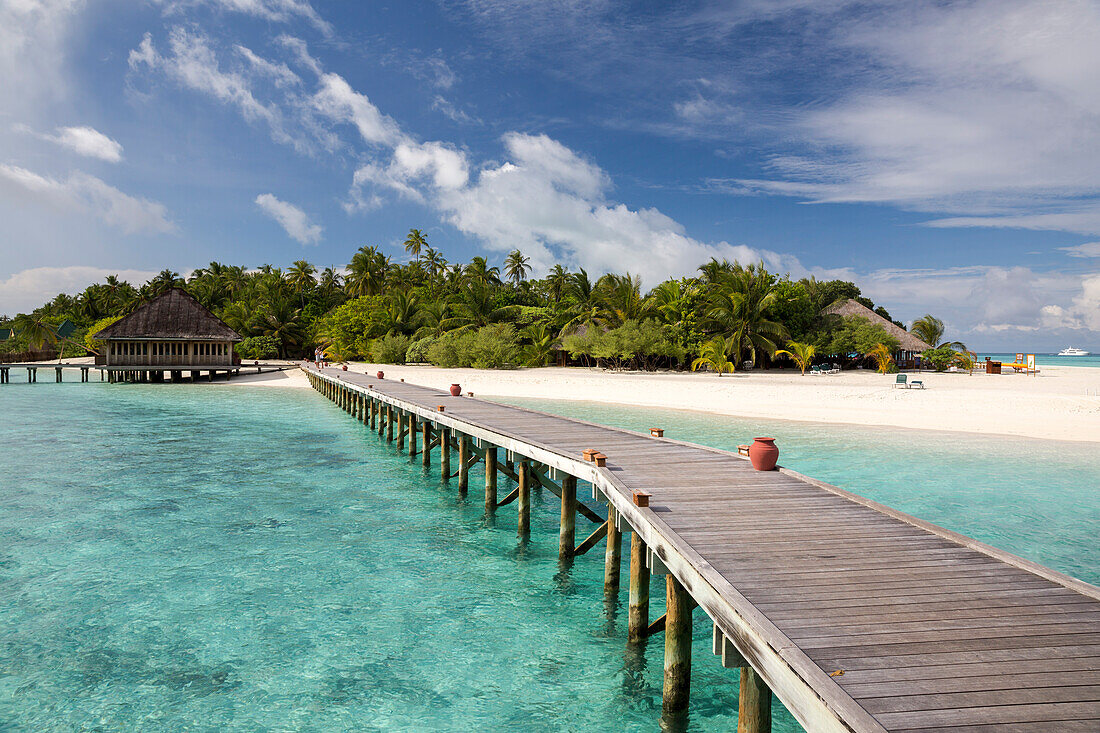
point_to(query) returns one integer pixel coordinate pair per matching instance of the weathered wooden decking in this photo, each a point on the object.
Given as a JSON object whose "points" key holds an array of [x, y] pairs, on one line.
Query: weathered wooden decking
{"points": [[856, 616]]}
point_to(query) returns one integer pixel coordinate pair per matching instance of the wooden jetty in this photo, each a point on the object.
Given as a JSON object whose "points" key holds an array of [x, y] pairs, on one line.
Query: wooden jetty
{"points": [[174, 373], [857, 617]]}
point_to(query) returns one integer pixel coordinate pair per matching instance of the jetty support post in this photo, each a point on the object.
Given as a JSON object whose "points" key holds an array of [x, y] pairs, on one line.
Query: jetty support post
{"points": [[445, 452], [426, 439], [754, 703], [412, 434], [638, 610], [389, 423], [677, 685], [614, 554], [463, 464], [523, 496], [401, 415], [567, 533], [490, 479], [373, 414]]}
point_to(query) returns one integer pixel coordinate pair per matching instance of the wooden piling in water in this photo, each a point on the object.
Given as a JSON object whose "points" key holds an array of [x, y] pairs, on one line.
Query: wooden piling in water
{"points": [[523, 524], [677, 685], [402, 419], [413, 428], [426, 439], [389, 423], [567, 532], [754, 703], [463, 464], [613, 557], [638, 611], [445, 452], [490, 479]]}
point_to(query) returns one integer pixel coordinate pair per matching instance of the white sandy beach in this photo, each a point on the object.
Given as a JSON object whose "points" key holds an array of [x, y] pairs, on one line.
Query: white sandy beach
{"points": [[1061, 403]]}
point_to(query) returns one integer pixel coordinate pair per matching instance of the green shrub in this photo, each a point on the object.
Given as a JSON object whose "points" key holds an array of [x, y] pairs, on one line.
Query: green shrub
{"points": [[418, 350], [453, 349], [941, 357], [497, 347], [390, 349], [258, 347], [95, 344]]}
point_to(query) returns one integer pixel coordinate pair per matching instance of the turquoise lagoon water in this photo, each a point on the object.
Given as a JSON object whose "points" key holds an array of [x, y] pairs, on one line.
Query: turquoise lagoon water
{"points": [[205, 557]]}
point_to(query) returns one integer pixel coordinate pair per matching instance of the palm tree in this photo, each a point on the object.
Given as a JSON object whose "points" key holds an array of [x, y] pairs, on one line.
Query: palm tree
{"points": [[434, 261], [478, 271], [165, 281], [621, 298], [740, 309], [801, 354], [930, 330], [543, 339], [283, 321], [882, 356], [516, 267], [477, 306], [300, 276], [557, 279], [330, 280], [713, 354], [415, 243], [366, 272]]}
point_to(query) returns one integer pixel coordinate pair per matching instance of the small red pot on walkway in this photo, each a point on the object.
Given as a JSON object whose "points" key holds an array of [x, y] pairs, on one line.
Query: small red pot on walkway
{"points": [[380, 375], [456, 390], [764, 454]]}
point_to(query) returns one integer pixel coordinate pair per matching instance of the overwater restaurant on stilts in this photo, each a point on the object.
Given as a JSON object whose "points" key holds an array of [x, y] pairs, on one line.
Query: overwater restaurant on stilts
{"points": [[171, 335]]}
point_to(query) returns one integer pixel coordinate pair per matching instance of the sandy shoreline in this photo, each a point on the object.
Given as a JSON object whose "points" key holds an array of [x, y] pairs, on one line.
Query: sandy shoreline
{"points": [[1061, 403]]}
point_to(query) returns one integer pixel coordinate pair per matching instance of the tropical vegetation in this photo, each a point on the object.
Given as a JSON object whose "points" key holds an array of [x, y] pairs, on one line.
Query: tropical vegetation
{"points": [[728, 316]]}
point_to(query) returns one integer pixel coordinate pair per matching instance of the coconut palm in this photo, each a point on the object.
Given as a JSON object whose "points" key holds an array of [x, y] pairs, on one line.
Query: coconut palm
{"points": [[516, 267], [366, 272], [930, 330], [740, 309], [556, 280], [478, 271], [434, 261], [164, 281], [801, 354], [301, 276], [621, 298], [714, 354], [543, 339], [882, 356], [415, 243]]}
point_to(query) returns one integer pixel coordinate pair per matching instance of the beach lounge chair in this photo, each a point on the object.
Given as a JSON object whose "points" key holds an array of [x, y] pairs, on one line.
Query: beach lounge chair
{"points": [[916, 383], [815, 370], [901, 381]]}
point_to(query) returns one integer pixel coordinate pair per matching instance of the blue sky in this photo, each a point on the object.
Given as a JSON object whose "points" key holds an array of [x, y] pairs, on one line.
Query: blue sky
{"points": [[944, 156]]}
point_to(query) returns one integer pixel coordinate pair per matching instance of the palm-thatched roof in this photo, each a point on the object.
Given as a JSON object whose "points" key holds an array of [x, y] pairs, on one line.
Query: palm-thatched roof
{"points": [[173, 315], [846, 308]]}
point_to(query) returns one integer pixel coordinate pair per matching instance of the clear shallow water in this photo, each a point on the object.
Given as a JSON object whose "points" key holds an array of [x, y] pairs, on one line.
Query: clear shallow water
{"points": [[1036, 498], [181, 557], [177, 557], [1093, 360]]}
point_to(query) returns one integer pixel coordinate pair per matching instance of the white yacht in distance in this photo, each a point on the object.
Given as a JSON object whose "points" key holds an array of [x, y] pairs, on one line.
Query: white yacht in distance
{"points": [[1070, 351]]}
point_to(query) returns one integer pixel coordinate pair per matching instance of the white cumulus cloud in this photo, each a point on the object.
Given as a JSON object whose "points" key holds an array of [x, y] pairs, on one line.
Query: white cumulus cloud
{"points": [[292, 219], [24, 291], [86, 194], [87, 141]]}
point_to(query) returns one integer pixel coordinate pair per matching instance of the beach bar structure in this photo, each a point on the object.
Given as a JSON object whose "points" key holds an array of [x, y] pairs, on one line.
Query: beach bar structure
{"points": [[909, 346], [854, 615], [173, 334]]}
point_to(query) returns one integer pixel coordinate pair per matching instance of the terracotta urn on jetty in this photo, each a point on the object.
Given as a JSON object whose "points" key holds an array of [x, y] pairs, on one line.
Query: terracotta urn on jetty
{"points": [[763, 453], [456, 390], [380, 375], [344, 367]]}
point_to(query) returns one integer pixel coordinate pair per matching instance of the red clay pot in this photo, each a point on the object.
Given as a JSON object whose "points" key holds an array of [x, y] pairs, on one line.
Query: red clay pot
{"points": [[456, 390], [763, 453], [380, 375], [344, 367]]}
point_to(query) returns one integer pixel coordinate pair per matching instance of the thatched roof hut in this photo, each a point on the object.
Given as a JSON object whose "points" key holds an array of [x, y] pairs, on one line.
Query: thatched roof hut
{"points": [[174, 315], [845, 308], [173, 331]]}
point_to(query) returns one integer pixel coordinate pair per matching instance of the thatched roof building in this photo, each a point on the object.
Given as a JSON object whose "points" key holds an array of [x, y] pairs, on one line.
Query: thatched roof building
{"points": [[908, 342], [172, 330]]}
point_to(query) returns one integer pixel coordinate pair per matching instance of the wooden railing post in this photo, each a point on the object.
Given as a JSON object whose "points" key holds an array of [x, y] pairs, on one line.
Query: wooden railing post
{"points": [[638, 610], [677, 685], [567, 533]]}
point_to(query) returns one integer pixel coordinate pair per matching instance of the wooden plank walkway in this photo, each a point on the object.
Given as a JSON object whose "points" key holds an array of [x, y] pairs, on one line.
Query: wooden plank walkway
{"points": [[856, 616]]}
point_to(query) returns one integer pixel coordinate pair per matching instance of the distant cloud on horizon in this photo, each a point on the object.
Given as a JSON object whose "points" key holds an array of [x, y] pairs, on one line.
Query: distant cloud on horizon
{"points": [[292, 219]]}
